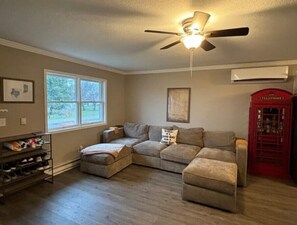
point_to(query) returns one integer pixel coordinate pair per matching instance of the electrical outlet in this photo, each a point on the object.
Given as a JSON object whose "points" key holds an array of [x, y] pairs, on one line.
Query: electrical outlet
{"points": [[81, 147], [23, 121], [2, 122]]}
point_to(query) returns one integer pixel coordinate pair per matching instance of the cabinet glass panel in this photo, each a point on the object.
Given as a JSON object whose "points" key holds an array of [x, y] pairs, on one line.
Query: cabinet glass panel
{"points": [[270, 140]]}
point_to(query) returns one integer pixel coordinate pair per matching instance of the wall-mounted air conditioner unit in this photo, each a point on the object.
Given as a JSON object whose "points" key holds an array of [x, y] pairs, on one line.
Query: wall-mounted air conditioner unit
{"points": [[260, 75]]}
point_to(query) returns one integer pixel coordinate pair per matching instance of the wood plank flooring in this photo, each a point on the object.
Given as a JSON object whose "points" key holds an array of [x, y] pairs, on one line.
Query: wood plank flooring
{"points": [[141, 195]]}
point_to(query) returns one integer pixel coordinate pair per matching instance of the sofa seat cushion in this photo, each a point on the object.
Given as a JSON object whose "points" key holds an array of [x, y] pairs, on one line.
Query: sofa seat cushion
{"points": [[217, 154], [180, 153], [212, 174], [106, 159], [219, 139], [149, 148], [129, 142]]}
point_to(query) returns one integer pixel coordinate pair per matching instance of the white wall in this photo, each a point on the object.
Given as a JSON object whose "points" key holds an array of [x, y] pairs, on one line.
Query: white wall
{"points": [[216, 104]]}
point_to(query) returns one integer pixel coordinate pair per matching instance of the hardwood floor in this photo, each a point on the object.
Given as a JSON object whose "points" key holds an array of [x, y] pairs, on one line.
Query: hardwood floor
{"points": [[140, 195]]}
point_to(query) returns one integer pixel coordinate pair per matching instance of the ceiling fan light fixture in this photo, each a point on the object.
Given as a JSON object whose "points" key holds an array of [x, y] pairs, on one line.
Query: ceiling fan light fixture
{"points": [[192, 41]]}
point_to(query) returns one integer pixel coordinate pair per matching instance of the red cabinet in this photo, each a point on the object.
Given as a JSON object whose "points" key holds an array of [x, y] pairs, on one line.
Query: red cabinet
{"points": [[270, 133]]}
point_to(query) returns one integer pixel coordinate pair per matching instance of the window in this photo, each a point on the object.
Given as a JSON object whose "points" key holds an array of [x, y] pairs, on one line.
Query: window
{"points": [[74, 101]]}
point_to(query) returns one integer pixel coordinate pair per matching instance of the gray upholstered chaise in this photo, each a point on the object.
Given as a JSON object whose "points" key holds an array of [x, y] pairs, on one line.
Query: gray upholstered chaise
{"points": [[105, 165], [195, 152]]}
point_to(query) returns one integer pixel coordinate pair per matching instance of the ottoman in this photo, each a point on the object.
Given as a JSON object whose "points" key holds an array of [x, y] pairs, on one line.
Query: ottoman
{"points": [[104, 164], [211, 182]]}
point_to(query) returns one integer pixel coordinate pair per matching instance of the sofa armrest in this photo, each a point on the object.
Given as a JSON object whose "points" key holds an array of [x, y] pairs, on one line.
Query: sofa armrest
{"points": [[109, 135], [241, 160]]}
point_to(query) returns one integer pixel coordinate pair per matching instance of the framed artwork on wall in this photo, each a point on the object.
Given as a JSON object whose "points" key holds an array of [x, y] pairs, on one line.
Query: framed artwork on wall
{"points": [[16, 90], [178, 105]]}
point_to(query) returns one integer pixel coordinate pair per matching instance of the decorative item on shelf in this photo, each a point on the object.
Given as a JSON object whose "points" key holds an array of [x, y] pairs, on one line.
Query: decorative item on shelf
{"points": [[31, 142], [115, 129], [23, 144], [39, 142], [274, 125], [13, 145], [267, 125]]}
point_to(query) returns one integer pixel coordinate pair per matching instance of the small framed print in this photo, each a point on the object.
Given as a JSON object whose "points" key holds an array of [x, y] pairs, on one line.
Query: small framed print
{"points": [[178, 105], [16, 90]]}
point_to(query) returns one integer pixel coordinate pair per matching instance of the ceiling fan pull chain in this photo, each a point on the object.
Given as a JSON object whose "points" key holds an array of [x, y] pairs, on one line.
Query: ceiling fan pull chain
{"points": [[191, 61]]}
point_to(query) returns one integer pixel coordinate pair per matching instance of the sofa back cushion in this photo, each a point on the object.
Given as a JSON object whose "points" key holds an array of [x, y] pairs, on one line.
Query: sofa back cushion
{"points": [[136, 130], [155, 132], [190, 136], [219, 139]]}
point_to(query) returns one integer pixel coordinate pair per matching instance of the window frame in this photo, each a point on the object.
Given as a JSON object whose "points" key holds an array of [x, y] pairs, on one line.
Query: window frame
{"points": [[78, 101]]}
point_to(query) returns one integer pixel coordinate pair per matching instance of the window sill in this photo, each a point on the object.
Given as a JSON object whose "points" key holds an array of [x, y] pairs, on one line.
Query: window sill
{"points": [[77, 128]]}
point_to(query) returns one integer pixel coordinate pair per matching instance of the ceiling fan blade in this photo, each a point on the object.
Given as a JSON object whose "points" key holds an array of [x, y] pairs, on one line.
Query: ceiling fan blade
{"points": [[207, 46], [199, 20], [242, 31], [170, 45], [163, 32]]}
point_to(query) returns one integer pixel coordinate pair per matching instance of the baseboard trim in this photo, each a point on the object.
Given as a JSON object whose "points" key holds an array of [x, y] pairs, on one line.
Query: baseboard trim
{"points": [[66, 166]]}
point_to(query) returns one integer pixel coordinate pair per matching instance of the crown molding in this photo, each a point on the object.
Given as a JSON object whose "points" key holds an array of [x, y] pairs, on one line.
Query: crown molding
{"points": [[32, 49], [217, 67]]}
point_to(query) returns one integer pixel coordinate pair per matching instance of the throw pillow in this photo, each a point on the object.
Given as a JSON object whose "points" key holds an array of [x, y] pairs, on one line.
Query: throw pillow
{"points": [[169, 136]]}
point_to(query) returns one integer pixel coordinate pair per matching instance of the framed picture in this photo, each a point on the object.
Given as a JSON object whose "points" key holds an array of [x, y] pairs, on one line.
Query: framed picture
{"points": [[16, 91], [178, 105]]}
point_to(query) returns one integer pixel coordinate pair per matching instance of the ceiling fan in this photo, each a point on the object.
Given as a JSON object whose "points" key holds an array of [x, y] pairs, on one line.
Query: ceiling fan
{"points": [[194, 35]]}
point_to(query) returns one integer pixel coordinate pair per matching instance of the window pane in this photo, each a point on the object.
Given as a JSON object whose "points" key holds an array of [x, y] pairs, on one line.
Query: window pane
{"points": [[61, 115], [61, 88], [91, 112], [90, 90]]}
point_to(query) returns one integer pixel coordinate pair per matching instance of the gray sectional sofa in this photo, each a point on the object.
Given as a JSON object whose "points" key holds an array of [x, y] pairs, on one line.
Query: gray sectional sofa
{"points": [[212, 163], [144, 141]]}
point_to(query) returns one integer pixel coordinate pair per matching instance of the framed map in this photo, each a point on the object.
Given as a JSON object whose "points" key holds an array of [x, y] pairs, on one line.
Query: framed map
{"points": [[178, 105], [16, 91]]}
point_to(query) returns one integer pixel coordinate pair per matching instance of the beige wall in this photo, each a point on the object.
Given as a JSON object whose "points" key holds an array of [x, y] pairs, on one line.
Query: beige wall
{"points": [[25, 65], [216, 104]]}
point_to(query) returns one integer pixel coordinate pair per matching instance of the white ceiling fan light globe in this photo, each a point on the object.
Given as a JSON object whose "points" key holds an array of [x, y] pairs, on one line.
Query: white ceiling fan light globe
{"points": [[192, 41]]}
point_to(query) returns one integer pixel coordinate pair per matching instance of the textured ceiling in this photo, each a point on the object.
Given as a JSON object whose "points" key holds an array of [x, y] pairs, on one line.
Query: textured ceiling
{"points": [[111, 32]]}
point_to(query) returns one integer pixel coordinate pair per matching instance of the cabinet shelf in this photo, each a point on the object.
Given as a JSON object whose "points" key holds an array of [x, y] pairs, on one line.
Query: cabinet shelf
{"points": [[27, 165], [268, 144], [24, 136], [21, 184], [269, 150], [21, 178], [9, 155], [268, 160]]}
